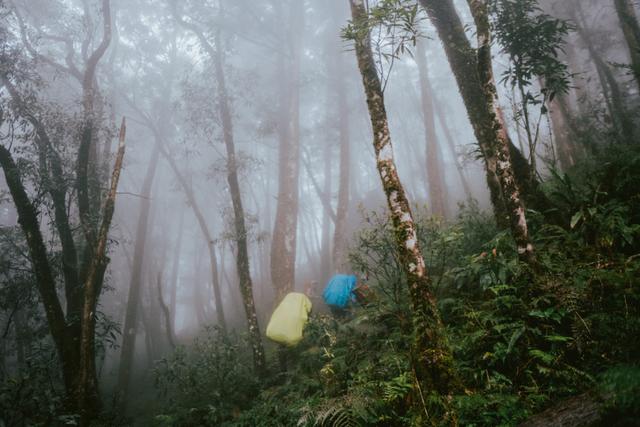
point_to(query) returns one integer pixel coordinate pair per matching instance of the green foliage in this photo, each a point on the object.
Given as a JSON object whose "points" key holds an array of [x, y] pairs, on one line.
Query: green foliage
{"points": [[521, 342], [621, 386], [207, 384], [32, 396], [533, 41], [392, 26]]}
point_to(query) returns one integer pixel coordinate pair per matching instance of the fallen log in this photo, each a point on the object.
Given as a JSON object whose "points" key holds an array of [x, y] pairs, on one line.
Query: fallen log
{"points": [[582, 410]]}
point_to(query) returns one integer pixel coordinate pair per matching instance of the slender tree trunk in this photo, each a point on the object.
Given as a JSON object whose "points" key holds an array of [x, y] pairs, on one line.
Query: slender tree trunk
{"points": [[325, 247], [619, 113], [342, 209], [130, 329], [431, 356], [175, 269], [171, 338], [631, 30], [435, 171], [146, 325], [242, 254], [198, 300]]}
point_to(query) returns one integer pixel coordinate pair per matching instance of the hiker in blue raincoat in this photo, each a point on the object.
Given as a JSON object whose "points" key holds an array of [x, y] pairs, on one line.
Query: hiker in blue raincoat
{"points": [[339, 294]]}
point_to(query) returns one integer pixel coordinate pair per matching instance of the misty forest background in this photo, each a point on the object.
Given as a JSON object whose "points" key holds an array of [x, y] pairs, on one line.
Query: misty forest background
{"points": [[171, 169]]}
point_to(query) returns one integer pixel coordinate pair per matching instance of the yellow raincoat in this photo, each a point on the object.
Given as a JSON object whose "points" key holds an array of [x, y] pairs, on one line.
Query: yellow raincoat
{"points": [[289, 318]]}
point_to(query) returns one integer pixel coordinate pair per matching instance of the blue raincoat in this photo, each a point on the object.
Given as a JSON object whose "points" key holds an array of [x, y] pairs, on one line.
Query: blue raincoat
{"points": [[338, 292]]}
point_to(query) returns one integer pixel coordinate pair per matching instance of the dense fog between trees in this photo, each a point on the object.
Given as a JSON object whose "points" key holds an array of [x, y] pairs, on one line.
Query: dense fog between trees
{"points": [[175, 166]]}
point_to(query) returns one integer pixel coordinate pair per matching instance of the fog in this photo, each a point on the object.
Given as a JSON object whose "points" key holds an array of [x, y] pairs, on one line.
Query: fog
{"points": [[248, 165]]}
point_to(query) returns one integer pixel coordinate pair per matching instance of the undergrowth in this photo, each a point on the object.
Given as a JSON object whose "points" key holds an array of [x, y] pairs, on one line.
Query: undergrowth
{"points": [[521, 342]]}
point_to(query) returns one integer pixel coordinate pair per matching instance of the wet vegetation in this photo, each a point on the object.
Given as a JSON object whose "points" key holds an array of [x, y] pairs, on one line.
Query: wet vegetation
{"points": [[171, 170]]}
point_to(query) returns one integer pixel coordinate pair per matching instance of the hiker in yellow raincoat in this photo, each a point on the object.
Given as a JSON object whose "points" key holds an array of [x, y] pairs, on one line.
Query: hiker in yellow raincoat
{"points": [[287, 323], [289, 318]]}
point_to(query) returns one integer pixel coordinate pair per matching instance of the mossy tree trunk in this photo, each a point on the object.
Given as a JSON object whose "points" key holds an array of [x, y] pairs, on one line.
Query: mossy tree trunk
{"points": [[495, 132], [83, 270], [431, 356], [88, 392], [464, 65]]}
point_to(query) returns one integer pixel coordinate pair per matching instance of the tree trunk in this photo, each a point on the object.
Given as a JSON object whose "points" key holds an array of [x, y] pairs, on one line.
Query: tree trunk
{"points": [[323, 195], [283, 242], [464, 64], [242, 255], [342, 209], [325, 246], [435, 170], [88, 393], [171, 338], [496, 133], [130, 328], [631, 30], [431, 356], [561, 129], [175, 269], [86, 174], [28, 221]]}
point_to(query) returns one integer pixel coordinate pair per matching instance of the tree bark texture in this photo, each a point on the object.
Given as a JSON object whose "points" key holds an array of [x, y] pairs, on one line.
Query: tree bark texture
{"points": [[561, 129], [86, 185], [88, 395], [464, 64], [496, 134], [431, 356]]}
